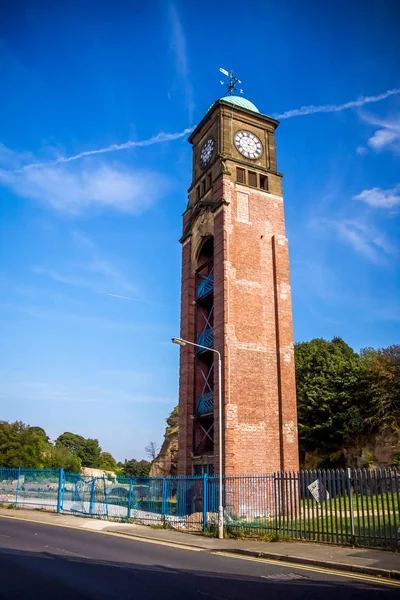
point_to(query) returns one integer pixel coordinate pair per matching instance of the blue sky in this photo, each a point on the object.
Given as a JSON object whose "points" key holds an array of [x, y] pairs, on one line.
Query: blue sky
{"points": [[96, 102]]}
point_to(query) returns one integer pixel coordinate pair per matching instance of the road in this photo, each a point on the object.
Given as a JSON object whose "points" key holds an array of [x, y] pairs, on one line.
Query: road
{"points": [[47, 562]]}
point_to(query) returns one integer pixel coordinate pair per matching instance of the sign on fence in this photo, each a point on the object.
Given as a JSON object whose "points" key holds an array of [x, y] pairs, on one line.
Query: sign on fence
{"points": [[319, 491]]}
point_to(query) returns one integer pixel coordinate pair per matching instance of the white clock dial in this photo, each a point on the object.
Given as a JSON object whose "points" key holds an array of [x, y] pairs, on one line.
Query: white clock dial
{"points": [[248, 144], [206, 152]]}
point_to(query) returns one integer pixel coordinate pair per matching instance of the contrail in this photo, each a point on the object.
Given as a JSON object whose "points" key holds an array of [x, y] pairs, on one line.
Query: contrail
{"points": [[123, 297], [327, 108], [168, 137], [157, 139]]}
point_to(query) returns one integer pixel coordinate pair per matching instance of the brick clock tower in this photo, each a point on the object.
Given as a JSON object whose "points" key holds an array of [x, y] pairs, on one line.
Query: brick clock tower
{"points": [[236, 299]]}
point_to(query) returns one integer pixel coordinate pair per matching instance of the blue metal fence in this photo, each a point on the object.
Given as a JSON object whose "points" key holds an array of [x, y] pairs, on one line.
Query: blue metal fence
{"points": [[334, 506], [34, 488]]}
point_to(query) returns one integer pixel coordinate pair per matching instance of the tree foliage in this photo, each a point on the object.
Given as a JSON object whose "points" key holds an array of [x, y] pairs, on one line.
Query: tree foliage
{"points": [[108, 462], [383, 372], [21, 445], [30, 447], [134, 468], [61, 458], [86, 449], [344, 397], [332, 396]]}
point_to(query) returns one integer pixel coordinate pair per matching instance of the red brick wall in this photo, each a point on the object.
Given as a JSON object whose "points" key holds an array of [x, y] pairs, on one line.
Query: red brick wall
{"points": [[254, 285], [252, 330]]}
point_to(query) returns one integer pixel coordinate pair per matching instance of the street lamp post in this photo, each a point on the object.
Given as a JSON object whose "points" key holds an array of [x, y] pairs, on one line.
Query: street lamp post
{"points": [[181, 342]]}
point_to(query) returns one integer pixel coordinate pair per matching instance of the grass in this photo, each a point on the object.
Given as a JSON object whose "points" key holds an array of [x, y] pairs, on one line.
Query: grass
{"points": [[360, 501], [9, 506], [325, 528], [164, 525]]}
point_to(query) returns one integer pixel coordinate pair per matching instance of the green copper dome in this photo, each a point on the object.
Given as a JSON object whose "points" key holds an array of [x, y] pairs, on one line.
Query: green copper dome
{"points": [[239, 101]]}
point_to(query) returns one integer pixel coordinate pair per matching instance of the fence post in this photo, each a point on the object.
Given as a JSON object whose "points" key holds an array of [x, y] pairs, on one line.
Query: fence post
{"points": [[105, 494], [60, 490], [275, 505], [350, 493], [91, 505], [164, 499], [17, 488], [205, 477], [130, 498]]}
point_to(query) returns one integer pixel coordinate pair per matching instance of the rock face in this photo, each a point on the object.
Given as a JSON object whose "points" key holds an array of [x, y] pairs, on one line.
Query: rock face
{"points": [[165, 464], [96, 472], [379, 450]]}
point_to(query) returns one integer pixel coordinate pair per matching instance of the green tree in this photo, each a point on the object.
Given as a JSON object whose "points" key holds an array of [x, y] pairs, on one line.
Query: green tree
{"points": [[22, 445], [61, 458], [383, 372], [40, 432], [87, 450], [91, 453], [72, 442], [134, 468], [332, 395], [108, 462]]}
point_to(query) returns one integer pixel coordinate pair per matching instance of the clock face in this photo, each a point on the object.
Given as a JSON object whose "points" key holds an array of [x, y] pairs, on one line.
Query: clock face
{"points": [[248, 144], [206, 152]]}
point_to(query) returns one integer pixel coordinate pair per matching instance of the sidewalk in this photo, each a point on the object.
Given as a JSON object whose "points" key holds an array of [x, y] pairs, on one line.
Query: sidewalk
{"points": [[378, 563]]}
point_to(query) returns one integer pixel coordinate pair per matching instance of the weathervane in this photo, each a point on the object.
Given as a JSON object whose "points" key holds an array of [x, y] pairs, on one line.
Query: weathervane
{"points": [[231, 86]]}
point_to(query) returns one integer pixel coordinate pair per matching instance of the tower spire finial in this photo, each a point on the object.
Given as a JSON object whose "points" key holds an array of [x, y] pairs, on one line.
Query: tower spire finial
{"points": [[231, 86]]}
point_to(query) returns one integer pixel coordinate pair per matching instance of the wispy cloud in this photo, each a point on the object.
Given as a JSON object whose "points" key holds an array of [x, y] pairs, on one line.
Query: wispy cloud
{"points": [[178, 44], [361, 150], [360, 238], [379, 198], [365, 239], [387, 137], [329, 108], [92, 272], [73, 189], [92, 186]]}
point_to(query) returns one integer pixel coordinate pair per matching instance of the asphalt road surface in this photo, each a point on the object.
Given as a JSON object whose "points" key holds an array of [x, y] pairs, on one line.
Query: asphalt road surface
{"points": [[46, 562]]}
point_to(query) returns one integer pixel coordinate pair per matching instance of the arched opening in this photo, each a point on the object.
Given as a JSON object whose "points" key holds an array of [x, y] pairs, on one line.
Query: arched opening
{"points": [[203, 431]]}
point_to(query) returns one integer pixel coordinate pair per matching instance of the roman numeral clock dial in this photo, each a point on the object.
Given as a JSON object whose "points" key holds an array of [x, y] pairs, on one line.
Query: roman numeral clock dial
{"points": [[206, 153], [248, 144]]}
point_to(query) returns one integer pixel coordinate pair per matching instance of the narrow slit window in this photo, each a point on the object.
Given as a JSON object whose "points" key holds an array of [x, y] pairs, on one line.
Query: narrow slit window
{"points": [[209, 182], [240, 175], [198, 192], [263, 182], [203, 187], [252, 179]]}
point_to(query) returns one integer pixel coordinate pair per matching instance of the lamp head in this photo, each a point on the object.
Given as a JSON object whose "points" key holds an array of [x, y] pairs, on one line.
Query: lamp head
{"points": [[178, 341]]}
